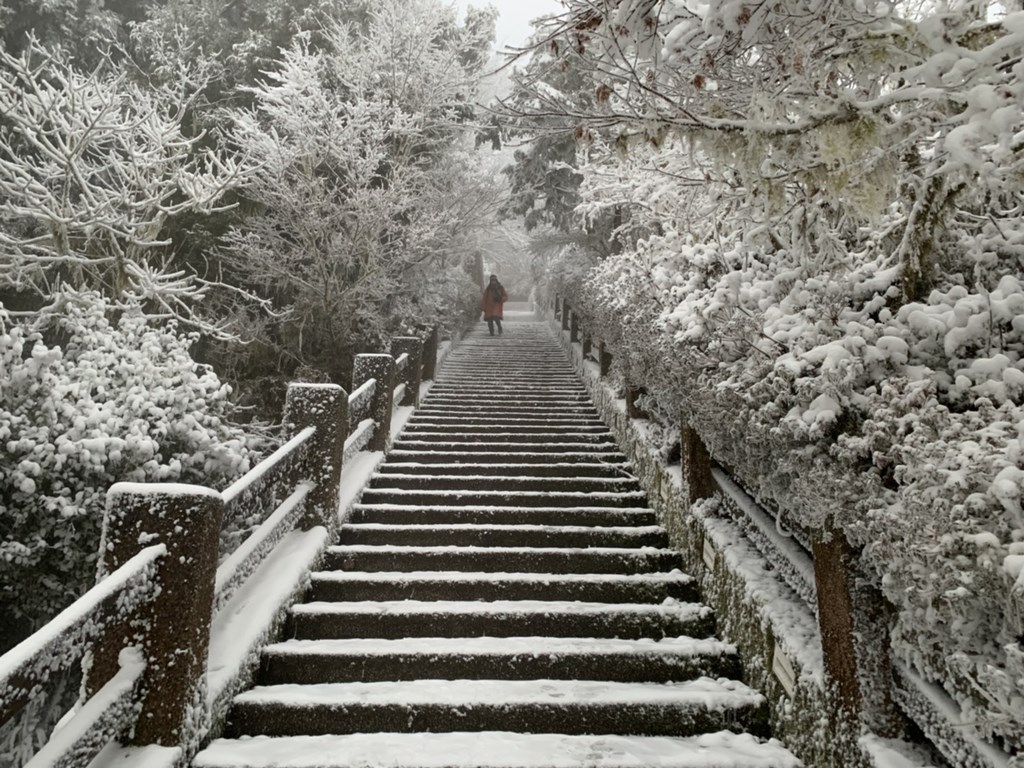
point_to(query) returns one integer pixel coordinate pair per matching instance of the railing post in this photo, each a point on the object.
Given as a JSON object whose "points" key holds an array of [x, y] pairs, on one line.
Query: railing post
{"points": [[834, 562], [566, 312], [696, 463], [324, 406], [173, 628], [414, 347], [587, 344], [634, 411], [604, 358], [430, 355], [381, 368], [558, 306], [574, 328]]}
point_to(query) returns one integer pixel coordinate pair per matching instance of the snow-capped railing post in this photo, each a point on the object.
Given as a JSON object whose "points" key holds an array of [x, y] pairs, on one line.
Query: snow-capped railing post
{"points": [[414, 348], [556, 305], [325, 407], [566, 314], [430, 345], [696, 464], [381, 368], [586, 344], [574, 328], [174, 628]]}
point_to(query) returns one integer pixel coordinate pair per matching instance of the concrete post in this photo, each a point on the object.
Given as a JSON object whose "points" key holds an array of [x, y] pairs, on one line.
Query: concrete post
{"points": [[558, 306], [566, 312], [574, 328], [381, 368], [634, 411], [173, 629], [413, 372], [696, 464], [834, 564], [587, 344], [430, 355], [324, 406], [604, 358]]}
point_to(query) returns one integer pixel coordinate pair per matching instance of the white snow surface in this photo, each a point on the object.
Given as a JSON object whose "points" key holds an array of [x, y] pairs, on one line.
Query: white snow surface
{"points": [[892, 753], [355, 474], [115, 755], [498, 750], [244, 623], [394, 548], [621, 530], [670, 607], [501, 646], [703, 692], [675, 576]]}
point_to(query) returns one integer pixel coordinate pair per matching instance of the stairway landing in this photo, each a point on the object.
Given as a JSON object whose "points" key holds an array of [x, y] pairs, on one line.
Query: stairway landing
{"points": [[501, 596]]}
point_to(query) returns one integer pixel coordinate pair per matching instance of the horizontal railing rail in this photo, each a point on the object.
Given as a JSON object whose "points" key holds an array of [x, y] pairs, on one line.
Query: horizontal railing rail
{"points": [[131, 621]]}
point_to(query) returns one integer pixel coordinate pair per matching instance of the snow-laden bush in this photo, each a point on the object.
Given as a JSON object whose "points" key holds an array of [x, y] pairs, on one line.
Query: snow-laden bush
{"points": [[87, 400]]}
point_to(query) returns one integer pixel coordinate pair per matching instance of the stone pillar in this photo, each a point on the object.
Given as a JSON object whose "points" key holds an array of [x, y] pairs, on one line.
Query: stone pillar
{"points": [[834, 569], [557, 306], [324, 406], [566, 313], [430, 355], [381, 368], [574, 328], [413, 371], [604, 358], [478, 270], [696, 464], [632, 409], [173, 629], [587, 344]]}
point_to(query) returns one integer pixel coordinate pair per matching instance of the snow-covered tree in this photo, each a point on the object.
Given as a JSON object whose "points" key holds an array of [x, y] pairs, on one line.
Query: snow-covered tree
{"points": [[93, 168], [364, 180]]}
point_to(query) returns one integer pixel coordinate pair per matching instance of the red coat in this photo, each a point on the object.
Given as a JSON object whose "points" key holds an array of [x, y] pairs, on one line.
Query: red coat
{"points": [[493, 309]]}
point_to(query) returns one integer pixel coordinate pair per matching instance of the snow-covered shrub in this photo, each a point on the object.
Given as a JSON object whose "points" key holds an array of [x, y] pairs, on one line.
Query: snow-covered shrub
{"points": [[90, 397]]}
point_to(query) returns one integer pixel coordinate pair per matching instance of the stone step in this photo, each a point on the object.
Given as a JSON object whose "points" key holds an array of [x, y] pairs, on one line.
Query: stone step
{"points": [[606, 456], [499, 618], [497, 749], [518, 535], [352, 586], [401, 514], [577, 706], [475, 423], [507, 658], [511, 436], [552, 469], [592, 450], [504, 498], [503, 559], [483, 428], [460, 483]]}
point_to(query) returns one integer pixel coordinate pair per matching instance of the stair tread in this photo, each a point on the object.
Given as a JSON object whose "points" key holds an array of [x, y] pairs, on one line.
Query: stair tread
{"points": [[505, 646], [623, 530], [670, 608], [721, 694], [451, 548], [674, 577], [496, 749]]}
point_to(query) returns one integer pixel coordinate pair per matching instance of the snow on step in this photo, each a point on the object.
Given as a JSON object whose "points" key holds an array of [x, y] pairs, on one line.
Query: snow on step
{"points": [[484, 585], [497, 749], [500, 618], [579, 706], [522, 535], [511, 658]]}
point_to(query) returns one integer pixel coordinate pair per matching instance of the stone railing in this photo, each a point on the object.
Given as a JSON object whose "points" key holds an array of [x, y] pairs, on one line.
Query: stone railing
{"points": [[812, 628], [143, 634]]}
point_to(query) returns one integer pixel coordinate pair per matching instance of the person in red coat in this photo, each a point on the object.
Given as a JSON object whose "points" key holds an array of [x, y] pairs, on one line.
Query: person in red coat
{"points": [[494, 297]]}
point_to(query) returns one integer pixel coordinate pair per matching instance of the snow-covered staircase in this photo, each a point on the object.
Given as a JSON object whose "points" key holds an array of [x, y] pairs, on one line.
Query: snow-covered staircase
{"points": [[502, 596]]}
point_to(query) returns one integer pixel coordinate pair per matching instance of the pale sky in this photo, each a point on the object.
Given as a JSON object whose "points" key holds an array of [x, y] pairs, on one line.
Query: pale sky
{"points": [[515, 16]]}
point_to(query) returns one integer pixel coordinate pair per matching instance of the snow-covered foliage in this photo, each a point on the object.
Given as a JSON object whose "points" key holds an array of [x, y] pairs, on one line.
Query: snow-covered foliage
{"points": [[93, 167], [825, 238], [90, 397]]}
